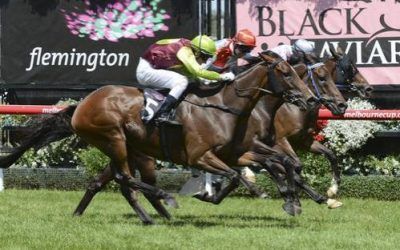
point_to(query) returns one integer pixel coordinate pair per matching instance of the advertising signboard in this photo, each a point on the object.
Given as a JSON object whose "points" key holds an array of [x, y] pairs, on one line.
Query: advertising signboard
{"points": [[369, 31], [85, 42]]}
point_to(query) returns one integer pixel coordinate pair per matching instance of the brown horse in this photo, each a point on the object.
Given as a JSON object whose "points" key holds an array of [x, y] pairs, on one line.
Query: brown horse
{"points": [[109, 119], [262, 124], [261, 120], [346, 75], [295, 128]]}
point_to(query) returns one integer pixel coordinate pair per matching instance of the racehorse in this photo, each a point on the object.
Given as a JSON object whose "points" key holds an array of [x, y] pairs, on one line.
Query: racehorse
{"points": [[346, 68], [262, 121], [296, 128], [109, 119], [346, 75]]}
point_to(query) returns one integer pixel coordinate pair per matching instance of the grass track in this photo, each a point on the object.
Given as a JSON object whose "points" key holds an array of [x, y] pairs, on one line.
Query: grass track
{"points": [[42, 220]]}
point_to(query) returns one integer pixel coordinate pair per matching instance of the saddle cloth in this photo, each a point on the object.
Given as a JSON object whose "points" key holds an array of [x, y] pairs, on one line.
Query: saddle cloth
{"points": [[152, 103]]}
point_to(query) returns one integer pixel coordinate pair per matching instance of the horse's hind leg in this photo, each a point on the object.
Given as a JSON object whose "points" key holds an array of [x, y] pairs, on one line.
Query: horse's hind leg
{"points": [[98, 183], [131, 197], [113, 144], [146, 167]]}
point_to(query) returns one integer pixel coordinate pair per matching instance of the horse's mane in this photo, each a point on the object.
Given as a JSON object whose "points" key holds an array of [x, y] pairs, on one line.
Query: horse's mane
{"points": [[252, 61]]}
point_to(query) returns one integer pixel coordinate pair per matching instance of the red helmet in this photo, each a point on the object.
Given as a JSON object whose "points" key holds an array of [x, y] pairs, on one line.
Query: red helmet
{"points": [[245, 37]]}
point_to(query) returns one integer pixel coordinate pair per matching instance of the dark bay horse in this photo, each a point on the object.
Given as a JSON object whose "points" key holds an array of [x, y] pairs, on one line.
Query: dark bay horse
{"points": [[147, 163], [261, 118], [109, 119], [346, 75], [295, 128]]}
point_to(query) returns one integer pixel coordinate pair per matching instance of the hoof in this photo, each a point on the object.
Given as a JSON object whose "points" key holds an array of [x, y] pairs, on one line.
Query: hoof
{"points": [[170, 201], [77, 214], [264, 196], [297, 203], [332, 203], [148, 222], [289, 208], [203, 196], [332, 192], [297, 210]]}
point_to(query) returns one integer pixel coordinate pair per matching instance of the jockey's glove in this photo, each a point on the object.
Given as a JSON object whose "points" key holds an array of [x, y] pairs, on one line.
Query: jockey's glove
{"points": [[227, 76]]}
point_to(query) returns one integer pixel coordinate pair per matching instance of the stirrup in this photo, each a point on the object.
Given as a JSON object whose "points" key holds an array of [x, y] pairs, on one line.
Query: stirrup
{"points": [[166, 118]]}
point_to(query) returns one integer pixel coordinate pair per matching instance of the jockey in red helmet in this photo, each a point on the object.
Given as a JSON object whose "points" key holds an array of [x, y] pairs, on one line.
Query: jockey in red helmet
{"points": [[230, 50], [169, 63]]}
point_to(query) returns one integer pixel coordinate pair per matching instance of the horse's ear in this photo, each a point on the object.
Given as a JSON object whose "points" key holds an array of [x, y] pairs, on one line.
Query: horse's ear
{"points": [[309, 58], [266, 58], [333, 52]]}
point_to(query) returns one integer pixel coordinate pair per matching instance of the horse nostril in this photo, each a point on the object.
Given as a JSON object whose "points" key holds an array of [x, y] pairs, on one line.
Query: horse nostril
{"points": [[342, 106], [369, 89]]}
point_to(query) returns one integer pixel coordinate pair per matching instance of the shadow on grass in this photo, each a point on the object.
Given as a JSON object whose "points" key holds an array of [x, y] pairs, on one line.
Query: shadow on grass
{"points": [[240, 221], [202, 221]]}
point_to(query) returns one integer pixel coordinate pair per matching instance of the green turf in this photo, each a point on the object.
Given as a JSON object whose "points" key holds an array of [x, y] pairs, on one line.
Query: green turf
{"points": [[42, 220]]}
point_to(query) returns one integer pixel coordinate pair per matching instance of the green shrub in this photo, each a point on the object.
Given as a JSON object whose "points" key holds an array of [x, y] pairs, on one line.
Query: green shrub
{"points": [[376, 187], [57, 154], [314, 167], [93, 160]]}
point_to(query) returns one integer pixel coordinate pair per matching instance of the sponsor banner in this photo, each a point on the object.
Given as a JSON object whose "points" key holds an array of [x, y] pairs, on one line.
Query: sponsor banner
{"points": [[369, 31], [361, 115], [77, 42]]}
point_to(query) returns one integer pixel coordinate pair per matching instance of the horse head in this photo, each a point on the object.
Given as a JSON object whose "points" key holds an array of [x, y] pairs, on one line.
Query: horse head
{"points": [[347, 75], [320, 81], [285, 81]]}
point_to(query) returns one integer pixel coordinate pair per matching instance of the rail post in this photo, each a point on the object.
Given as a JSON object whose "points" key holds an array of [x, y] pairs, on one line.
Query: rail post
{"points": [[1, 180]]}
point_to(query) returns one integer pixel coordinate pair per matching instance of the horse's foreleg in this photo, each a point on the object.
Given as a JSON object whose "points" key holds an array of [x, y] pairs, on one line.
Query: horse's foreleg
{"points": [[318, 148], [94, 187], [212, 164], [278, 174], [292, 204], [252, 159], [221, 194]]}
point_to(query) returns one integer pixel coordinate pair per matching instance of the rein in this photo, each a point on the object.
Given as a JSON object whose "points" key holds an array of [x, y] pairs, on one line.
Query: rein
{"points": [[310, 75], [270, 67], [223, 108], [237, 89]]}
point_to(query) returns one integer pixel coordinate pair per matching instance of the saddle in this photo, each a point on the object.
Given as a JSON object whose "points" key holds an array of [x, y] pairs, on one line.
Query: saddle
{"points": [[153, 99]]}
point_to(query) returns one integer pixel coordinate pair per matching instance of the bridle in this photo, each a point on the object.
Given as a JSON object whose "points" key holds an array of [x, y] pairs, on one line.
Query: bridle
{"points": [[310, 75], [271, 67], [344, 76]]}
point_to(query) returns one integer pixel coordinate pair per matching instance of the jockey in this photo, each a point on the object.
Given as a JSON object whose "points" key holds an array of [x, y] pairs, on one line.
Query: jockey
{"points": [[295, 53], [230, 50], [155, 68]]}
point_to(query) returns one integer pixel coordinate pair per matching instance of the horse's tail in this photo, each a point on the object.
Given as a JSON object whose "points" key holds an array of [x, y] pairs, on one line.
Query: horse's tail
{"points": [[45, 129]]}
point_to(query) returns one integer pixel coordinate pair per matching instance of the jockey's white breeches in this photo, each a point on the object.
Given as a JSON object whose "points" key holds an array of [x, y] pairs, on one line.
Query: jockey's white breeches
{"points": [[161, 78]]}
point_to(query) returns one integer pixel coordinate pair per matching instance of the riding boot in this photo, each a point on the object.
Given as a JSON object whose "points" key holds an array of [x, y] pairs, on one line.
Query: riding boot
{"points": [[163, 112]]}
